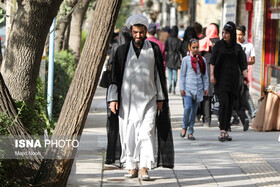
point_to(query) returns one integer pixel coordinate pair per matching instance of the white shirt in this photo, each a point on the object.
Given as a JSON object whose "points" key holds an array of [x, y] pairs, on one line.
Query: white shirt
{"points": [[248, 49]]}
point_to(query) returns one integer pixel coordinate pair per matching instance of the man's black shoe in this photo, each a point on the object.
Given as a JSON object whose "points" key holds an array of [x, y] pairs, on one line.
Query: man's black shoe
{"points": [[246, 125], [235, 121]]}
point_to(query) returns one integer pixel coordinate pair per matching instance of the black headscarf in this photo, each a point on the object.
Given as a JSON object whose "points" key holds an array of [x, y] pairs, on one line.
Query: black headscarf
{"points": [[124, 36], [189, 34], [174, 31], [231, 28]]}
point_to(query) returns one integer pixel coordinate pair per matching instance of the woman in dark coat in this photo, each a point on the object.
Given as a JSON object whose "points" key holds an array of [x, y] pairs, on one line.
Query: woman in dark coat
{"points": [[173, 57], [226, 62]]}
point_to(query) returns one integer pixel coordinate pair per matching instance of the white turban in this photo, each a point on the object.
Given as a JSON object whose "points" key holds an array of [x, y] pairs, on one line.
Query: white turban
{"points": [[137, 19]]}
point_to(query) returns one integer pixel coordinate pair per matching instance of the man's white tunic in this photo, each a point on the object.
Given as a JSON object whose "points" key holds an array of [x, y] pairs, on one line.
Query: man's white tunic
{"points": [[141, 88]]}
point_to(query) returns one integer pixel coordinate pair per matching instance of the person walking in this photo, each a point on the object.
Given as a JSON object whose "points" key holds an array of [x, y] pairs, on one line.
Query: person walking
{"points": [[152, 31], [227, 60], [206, 48], [138, 95], [113, 139], [250, 56], [193, 84], [173, 57], [198, 29], [245, 99]]}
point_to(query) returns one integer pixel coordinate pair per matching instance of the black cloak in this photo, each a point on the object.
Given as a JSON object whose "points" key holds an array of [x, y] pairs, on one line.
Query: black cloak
{"points": [[229, 61], [165, 152]]}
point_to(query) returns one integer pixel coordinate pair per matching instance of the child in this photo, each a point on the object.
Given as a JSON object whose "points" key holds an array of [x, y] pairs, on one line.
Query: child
{"points": [[193, 84]]}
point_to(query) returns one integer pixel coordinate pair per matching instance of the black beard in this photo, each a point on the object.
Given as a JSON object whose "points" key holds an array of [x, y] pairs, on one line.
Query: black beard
{"points": [[140, 42]]}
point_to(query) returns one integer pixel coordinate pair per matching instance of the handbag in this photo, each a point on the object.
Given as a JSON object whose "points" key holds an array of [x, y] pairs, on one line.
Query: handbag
{"points": [[104, 82], [215, 104]]}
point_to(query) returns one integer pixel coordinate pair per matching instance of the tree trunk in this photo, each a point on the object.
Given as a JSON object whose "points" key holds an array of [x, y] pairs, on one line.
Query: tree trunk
{"points": [[66, 38], [89, 18], [60, 34], [76, 28], [25, 47], [63, 21], [79, 97]]}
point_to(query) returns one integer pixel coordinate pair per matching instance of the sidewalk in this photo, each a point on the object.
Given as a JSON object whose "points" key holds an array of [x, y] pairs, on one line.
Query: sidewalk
{"points": [[251, 159]]}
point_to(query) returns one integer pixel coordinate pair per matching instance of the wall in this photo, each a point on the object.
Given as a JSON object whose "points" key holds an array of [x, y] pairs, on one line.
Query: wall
{"points": [[208, 13], [242, 14], [258, 32]]}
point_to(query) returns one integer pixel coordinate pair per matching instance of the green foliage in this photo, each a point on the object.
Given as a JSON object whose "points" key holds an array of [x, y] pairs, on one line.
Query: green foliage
{"points": [[35, 118], [84, 37], [5, 122], [65, 7], [6, 180], [90, 6], [2, 17], [124, 13], [64, 70]]}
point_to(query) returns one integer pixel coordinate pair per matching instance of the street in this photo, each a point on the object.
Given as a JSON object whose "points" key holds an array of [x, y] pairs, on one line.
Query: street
{"points": [[251, 159]]}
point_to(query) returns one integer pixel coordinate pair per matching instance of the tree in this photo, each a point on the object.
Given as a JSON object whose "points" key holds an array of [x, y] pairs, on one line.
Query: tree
{"points": [[79, 97], [63, 22], [25, 47], [76, 28]]}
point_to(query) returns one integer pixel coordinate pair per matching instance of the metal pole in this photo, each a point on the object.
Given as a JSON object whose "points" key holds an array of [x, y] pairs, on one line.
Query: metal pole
{"points": [[50, 71]]}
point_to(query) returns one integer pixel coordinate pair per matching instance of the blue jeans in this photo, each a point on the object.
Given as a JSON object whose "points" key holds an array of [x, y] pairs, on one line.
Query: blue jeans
{"points": [[190, 108], [172, 74]]}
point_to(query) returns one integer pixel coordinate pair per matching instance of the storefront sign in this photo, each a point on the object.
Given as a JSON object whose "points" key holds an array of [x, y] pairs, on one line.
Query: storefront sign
{"points": [[210, 1], [275, 9], [229, 12], [275, 15]]}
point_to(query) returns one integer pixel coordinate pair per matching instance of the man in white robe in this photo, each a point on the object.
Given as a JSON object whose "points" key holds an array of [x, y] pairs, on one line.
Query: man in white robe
{"points": [[141, 98]]}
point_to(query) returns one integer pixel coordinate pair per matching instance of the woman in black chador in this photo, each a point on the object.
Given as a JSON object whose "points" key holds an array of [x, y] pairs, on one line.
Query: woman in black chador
{"points": [[227, 60]]}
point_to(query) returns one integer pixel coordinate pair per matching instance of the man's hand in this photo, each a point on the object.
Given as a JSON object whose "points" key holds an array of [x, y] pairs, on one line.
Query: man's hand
{"points": [[212, 79], [114, 106], [246, 81], [159, 105], [205, 92], [182, 92]]}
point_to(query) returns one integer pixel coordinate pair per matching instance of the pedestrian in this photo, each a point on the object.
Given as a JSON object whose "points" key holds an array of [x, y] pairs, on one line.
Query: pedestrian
{"points": [[181, 31], [193, 84], [250, 56], [245, 99], [198, 29], [113, 139], [173, 57], [152, 31], [206, 48], [227, 60], [189, 34], [164, 34], [138, 95]]}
